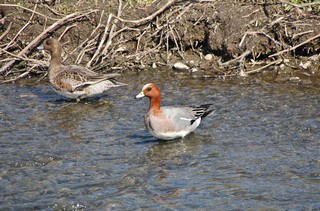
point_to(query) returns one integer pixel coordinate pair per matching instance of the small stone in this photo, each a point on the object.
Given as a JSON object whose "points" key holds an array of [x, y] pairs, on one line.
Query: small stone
{"points": [[286, 60], [193, 70], [120, 49], [315, 58], [208, 57], [243, 74], [154, 65], [181, 66], [305, 65], [294, 79], [141, 67]]}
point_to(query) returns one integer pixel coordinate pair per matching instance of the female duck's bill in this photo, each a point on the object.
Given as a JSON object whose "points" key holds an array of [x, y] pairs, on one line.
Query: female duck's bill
{"points": [[170, 122], [74, 81]]}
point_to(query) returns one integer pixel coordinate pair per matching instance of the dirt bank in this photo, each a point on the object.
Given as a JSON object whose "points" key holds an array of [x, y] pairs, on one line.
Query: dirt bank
{"points": [[215, 39]]}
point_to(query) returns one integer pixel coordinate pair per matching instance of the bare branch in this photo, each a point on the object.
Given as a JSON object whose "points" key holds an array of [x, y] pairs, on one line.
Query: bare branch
{"points": [[150, 17], [299, 5], [44, 34], [27, 9], [296, 46]]}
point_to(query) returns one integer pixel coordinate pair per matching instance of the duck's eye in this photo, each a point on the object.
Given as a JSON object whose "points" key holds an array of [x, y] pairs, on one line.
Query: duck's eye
{"points": [[149, 89]]}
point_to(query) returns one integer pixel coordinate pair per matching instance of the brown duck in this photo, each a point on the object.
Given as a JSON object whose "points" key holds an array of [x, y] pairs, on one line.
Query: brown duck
{"points": [[74, 81]]}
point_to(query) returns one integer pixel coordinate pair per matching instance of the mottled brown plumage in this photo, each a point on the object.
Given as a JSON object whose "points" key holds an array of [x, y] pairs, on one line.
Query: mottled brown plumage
{"points": [[74, 81]]}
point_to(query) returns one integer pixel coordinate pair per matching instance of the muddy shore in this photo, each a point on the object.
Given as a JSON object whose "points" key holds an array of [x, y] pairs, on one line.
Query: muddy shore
{"points": [[276, 40]]}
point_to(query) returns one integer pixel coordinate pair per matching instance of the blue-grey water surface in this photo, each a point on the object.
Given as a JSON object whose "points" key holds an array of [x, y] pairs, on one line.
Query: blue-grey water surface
{"points": [[260, 149]]}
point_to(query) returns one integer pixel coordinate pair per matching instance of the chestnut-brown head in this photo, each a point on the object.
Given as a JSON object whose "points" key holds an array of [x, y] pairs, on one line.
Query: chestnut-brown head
{"points": [[151, 91]]}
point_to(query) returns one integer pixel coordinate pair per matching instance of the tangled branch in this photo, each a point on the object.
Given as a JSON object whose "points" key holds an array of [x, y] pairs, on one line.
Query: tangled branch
{"points": [[34, 43], [160, 35]]}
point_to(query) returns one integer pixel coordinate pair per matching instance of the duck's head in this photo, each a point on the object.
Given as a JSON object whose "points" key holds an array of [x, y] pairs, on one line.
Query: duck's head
{"points": [[149, 90], [51, 45]]}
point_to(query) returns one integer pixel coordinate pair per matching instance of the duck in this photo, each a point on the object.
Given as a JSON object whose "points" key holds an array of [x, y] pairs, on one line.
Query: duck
{"points": [[73, 81], [170, 122]]}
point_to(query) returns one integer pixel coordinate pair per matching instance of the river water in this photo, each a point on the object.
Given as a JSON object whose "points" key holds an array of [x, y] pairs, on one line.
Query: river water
{"points": [[260, 149]]}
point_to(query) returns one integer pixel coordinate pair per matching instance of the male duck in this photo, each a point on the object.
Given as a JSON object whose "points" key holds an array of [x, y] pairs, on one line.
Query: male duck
{"points": [[170, 122], [73, 81]]}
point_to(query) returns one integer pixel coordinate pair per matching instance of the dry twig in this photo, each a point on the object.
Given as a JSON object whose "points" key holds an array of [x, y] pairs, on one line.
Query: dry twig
{"points": [[299, 5], [150, 17], [27, 9], [44, 34], [23, 28], [6, 32], [239, 58], [296, 46], [263, 67]]}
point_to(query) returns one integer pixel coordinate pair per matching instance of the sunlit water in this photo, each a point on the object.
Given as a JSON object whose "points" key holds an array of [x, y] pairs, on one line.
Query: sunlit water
{"points": [[258, 150]]}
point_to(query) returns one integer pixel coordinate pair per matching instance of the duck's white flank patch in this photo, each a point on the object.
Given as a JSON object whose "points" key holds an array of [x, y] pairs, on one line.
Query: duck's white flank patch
{"points": [[176, 134]]}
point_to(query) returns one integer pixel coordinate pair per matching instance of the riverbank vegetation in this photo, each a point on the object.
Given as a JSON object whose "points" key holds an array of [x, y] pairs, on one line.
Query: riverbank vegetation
{"points": [[211, 38]]}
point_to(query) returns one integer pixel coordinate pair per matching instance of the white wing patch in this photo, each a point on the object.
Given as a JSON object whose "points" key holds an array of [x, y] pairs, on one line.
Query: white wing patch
{"points": [[182, 118]]}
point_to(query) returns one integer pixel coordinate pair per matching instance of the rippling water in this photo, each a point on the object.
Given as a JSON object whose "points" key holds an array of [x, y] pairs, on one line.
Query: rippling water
{"points": [[259, 150]]}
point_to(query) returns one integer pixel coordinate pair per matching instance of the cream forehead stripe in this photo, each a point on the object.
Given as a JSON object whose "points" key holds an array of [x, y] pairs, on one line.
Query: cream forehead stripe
{"points": [[145, 86]]}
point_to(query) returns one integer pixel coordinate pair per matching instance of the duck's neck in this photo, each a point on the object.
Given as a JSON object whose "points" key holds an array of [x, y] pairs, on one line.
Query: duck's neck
{"points": [[55, 62], [155, 104]]}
